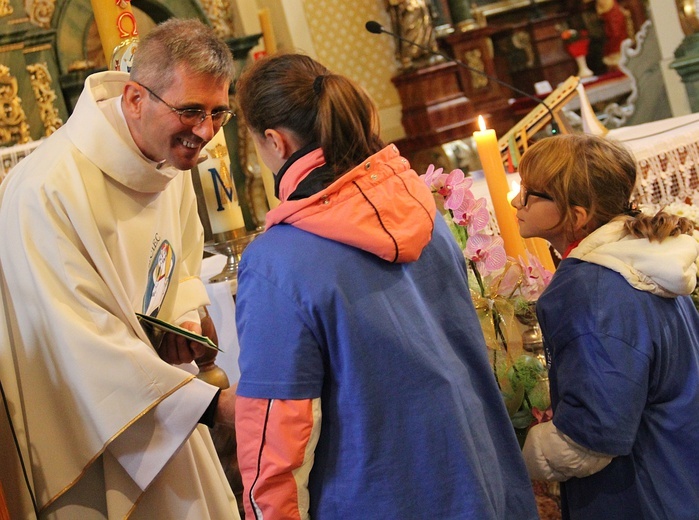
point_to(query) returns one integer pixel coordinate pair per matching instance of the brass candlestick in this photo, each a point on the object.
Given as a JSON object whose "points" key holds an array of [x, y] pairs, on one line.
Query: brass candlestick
{"points": [[231, 244], [532, 340], [209, 371]]}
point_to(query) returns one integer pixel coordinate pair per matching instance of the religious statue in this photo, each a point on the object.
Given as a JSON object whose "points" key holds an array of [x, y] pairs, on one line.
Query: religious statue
{"points": [[412, 20], [615, 30]]}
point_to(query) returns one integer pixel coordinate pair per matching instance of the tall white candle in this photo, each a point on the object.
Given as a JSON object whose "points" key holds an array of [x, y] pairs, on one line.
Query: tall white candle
{"points": [[217, 185]]}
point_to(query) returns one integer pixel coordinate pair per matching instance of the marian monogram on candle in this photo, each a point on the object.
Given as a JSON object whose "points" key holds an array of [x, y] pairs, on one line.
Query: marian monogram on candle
{"points": [[217, 185], [221, 177]]}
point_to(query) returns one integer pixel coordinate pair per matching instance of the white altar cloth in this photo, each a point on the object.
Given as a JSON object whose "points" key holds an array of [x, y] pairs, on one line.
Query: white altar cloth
{"points": [[222, 311], [667, 153]]}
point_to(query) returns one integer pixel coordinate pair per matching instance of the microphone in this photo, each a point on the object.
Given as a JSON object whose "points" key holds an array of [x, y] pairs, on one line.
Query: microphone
{"points": [[376, 28]]}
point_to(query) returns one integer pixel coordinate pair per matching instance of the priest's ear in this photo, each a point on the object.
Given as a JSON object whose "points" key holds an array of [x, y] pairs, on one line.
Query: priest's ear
{"points": [[132, 98]]}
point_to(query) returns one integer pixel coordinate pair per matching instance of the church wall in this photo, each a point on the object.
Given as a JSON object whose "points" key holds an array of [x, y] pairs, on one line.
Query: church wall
{"points": [[333, 32]]}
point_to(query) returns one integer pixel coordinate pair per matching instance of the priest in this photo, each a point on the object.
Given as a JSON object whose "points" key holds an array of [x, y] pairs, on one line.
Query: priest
{"points": [[98, 224]]}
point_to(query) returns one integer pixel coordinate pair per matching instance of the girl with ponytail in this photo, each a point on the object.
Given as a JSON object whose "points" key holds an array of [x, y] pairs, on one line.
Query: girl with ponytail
{"points": [[621, 337], [365, 387]]}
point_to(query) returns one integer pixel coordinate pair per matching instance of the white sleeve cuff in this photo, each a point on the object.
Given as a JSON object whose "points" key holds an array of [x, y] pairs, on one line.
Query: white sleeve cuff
{"points": [[553, 456]]}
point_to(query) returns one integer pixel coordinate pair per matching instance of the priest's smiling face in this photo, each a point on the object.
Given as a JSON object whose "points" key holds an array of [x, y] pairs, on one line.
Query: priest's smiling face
{"points": [[156, 125]]}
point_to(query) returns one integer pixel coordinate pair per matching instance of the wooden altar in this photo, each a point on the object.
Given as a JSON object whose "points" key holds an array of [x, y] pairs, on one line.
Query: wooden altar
{"points": [[519, 46], [435, 107]]}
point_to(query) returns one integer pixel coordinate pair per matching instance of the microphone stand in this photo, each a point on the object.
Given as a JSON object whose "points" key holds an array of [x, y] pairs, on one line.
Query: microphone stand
{"points": [[535, 13], [376, 28]]}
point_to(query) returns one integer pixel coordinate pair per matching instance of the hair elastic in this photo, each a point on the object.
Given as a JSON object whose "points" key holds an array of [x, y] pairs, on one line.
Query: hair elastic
{"points": [[632, 209], [318, 84]]}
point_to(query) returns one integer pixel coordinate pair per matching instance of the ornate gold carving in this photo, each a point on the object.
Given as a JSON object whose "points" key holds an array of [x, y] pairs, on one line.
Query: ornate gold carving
{"points": [[474, 59], [18, 21], [13, 121], [411, 20], [45, 96], [81, 65], [219, 14], [37, 48], [5, 8], [41, 12], [523, 40], [11, 47]]}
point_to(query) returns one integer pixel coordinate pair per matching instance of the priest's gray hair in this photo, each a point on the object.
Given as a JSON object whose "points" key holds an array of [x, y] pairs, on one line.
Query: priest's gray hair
{"points": [[179, 46]]}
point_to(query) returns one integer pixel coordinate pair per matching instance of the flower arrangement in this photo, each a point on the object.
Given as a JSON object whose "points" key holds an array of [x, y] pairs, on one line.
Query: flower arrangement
{"points": [[503, 290], [572, 35], [576, 42]]}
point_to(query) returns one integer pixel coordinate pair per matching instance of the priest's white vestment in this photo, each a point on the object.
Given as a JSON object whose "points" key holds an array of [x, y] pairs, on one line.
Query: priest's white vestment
{"points": [[107, 428]]}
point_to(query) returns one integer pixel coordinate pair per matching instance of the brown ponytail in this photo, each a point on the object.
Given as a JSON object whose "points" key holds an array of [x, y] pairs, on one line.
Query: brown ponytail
{"points": [[599, 175], [659, 226], [295, 92]]}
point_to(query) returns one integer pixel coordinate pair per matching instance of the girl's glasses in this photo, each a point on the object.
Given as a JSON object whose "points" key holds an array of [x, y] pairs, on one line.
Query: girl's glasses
{"points": [[524, 195]]}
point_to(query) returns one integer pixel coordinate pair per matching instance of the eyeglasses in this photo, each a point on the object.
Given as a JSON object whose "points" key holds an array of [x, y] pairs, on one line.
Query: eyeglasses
{"points": [[195, 116], [524, 195]]}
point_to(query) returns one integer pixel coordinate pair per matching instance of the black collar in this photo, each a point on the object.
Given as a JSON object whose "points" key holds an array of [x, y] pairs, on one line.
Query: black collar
{"points": [[291, 160]]}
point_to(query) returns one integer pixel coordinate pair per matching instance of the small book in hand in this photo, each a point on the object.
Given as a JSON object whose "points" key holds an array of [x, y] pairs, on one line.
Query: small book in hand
{"points": [[156, 329]]}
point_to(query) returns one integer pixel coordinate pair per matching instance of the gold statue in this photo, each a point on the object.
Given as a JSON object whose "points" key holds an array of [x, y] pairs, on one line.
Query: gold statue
{"points": [[412, 20]]}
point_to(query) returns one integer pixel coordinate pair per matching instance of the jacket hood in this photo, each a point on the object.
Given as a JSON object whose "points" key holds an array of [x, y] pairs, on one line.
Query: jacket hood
{"points": [[381, 206], [667, 268], [111, 148]]}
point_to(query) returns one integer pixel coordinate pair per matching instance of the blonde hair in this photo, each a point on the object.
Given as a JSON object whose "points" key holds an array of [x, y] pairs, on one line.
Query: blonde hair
{"points": [[598, 175]]}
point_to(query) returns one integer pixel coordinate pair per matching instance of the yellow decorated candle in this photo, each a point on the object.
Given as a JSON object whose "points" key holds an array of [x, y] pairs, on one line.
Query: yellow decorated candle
{"points": [[267, 31], [116, 25], [220, 197], [496, 179]]}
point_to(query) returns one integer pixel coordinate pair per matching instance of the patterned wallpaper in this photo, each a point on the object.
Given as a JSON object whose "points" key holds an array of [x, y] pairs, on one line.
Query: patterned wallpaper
{"points": [[346, 47]]}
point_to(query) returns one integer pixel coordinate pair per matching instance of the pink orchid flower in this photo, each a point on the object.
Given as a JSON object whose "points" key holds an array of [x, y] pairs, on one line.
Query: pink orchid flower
{"points": [[487, 251], [434, 178], [536, 278], [472, 213], [510, 280], [456, 187]]}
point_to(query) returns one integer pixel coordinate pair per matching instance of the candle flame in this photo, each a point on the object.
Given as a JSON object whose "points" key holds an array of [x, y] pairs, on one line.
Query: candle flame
{"points": [[481, 123], [513, 192]]}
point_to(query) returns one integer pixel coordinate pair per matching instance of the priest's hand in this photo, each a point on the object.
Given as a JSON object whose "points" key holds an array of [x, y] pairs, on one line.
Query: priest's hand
{"points": [[176, 349]]}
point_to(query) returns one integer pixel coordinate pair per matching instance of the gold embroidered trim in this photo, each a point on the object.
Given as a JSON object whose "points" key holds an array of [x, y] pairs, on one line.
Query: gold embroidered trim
{"points": [[109, 441]]}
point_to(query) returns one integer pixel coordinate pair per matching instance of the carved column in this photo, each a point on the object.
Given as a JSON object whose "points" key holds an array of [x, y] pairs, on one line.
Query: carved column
{"points": [[686, 61]]}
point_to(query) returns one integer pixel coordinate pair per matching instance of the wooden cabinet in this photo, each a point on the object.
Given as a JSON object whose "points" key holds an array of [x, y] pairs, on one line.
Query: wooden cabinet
{"points": [[435, 108], [532, 51]]}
